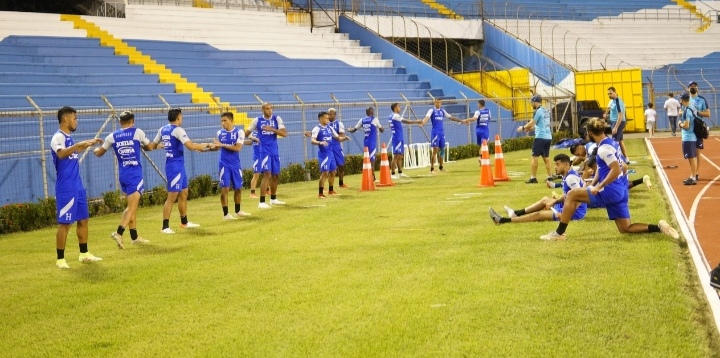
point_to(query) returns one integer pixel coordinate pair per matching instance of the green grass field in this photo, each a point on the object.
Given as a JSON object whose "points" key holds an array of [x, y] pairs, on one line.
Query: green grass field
{"points": [[416, 270]]}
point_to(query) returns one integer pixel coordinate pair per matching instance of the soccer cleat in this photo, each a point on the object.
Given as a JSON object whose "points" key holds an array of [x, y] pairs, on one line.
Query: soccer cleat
{"points": [[553, 236], [333, 192], [264, 206], [510, 212], [140, 240], [344, 186], [394, 177], [668, 230], [322, 196], [276, 202], [697, 177], [550, 179], [432, 171], [253, 196], [690, 181], [495, 216], [62, 264], [189, 225], [229, 217], [242, 213], [646, 180], [531, 181], [167, 231], [118, 240], [88, 257], [403, 175]]}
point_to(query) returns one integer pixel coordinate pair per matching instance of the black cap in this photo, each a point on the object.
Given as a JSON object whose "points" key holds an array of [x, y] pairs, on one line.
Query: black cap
{"points": [[692, 83], [685, 97], [536, 98]]}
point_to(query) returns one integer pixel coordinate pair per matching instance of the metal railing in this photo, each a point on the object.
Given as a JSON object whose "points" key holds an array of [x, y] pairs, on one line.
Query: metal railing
{"points": [[216, 4]]}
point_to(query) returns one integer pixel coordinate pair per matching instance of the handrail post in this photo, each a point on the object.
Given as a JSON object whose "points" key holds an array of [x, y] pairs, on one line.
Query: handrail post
{"points": [[304, 129], [43, 160]]}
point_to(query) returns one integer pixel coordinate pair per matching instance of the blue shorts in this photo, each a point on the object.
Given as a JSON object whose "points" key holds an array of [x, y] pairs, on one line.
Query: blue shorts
{"points": [[398, 147], [176, 176], [339, 155], [327, 162], [614, 198], [132, 184], [256, 165], [231, 178], [689, 149], [618, 137], [699, 144], [541, 147], [71, 206], [579, 212], [270, 163], [372, 150], [482, 133], [438, 140]]}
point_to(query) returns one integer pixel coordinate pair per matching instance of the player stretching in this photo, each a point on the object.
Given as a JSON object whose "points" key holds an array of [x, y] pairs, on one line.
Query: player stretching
{"points": [[437, 115], [398, 142], [269, 128], [257, 171], [323, 136], [337, 150], [126, 143], [370, 125], [230, 140], [70, 196]]}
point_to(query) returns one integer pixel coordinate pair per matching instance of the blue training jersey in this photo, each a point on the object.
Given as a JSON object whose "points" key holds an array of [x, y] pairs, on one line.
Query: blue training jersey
{"points": [[396, 127], [608, 152], [699, 103], [255, 145], [339, 128], [324, 134], [542, 123], [437, 116], [616, 106], [173, 140], [688, 134], [268, 139], [229, 158], [127, 143], [370, 127], [68, 169], [482, 118], [571, 181]]}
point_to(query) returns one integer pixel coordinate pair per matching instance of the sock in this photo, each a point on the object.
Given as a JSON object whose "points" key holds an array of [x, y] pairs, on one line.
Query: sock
{"points": [[262, 198], [133, 234], [505, 220], [637, 182], [341, 182], [520, 212], [166, 224], [532, 177], [330, 188], [237, 208], [252, 191], [440, 167], [432, 169], [120, 230], [83, 248], [399, 171], [653, 228], [392, 172], [225, 210], [320, 190], [561, 228], [60, 254], [273, 197], [184, 220]]}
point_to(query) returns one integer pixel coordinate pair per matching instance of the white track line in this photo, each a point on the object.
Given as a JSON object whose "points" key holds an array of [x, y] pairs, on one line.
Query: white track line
{"points": [[699, 261]]}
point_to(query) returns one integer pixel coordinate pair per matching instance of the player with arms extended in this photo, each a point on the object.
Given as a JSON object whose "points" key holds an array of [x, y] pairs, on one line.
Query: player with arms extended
{"points": [[269, 127]]}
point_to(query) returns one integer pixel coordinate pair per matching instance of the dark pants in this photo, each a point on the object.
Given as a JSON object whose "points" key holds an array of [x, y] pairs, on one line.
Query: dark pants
{"points": [[673, 123]]}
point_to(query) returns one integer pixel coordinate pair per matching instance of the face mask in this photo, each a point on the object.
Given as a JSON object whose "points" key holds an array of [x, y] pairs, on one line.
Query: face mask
{"points": [[693, 90]]}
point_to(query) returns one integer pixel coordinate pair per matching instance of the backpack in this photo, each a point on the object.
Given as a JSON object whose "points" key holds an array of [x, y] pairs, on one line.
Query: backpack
{"points": [[715, 278], [699, 127]]}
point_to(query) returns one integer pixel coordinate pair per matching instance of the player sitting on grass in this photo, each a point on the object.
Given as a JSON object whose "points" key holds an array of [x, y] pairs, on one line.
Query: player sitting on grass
{"points": [[547, 208]]}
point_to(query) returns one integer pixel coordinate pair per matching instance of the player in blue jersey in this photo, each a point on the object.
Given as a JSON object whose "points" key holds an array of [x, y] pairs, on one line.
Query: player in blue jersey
{"points": [[548, 208], [689, 139], [482, 119], [616, 115], [70, 197], [701, 106], [338, 153], [126, 143], [543, 137], [437, 115], [229, 141], [323, 136], [174, 140], [269, 127], [608, 189], [395, 121], [370, 125], [257, 171]]}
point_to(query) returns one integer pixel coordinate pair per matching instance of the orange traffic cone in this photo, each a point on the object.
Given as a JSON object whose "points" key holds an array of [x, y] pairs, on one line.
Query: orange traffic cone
{"points": [[368, 183], [385, 179], [486, 175], [500, 170]]}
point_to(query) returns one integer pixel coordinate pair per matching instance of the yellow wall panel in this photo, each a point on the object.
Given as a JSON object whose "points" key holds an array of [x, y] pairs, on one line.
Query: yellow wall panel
{"points": [[591, 85]]}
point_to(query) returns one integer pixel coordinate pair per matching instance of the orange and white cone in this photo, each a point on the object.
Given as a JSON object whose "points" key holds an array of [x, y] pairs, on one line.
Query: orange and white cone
{"points": [[368, 183], [500, 170], [486, 174], [385, 178]]}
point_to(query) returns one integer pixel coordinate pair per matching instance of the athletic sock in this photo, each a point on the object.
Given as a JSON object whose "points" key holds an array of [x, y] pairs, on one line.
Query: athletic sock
{"points": [[225, 210], [273, 196], [60, 254], [440, 167], [133, 234], [320, 190], [520, 212], [636, 182], [120, 230], [237, 208], [330, 188], [653, 228], [262, 198], [183, 220], [399, 171], [83, 248], [166, 224], [561, 228], [505, 220], [341, 182], [252, 191], [392, 172]]}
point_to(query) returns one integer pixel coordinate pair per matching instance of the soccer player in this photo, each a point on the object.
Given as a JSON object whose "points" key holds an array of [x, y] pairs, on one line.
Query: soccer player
{"points": [[398, 142], [174, 139], [437, 115], [126, 143], [608, 189], [615, 113], [257, 170], [70, 196], [701, 106], [229, 141], [482, 118], [269, 127], [548, 208], [323, 135], [543, 138], [337, 150], [689, 139], [370, 125]]}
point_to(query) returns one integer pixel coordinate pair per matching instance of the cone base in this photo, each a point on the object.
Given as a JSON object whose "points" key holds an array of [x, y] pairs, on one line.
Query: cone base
{"points": [[391, 184], [485, 185], [501, 179]]}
